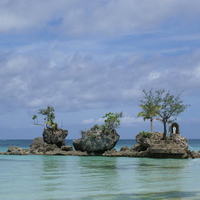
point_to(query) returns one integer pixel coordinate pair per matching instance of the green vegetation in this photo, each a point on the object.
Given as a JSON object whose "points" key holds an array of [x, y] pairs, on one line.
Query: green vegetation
{"points": [[93, 136], [162, 104], [149, 108], [111, 122], [96, 127], [49, 117], [146, 134]]}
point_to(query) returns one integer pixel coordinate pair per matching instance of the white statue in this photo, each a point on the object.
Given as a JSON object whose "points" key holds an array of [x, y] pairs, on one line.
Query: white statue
{"points": [[174, 129]]}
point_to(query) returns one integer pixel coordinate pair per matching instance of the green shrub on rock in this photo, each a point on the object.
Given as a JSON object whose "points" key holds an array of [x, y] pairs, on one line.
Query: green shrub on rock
{"points": [[111, 122], [146, 134]]}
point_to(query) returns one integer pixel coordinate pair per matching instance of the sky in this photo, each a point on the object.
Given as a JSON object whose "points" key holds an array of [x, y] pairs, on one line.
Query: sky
{"points": [[86, 58]]}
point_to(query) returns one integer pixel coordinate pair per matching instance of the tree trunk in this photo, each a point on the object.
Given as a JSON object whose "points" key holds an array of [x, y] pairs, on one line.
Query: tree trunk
{"points": [[165, 129], [151, 125]]}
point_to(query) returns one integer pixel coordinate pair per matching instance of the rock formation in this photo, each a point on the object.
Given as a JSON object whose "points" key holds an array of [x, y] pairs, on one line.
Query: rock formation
{"points": [[55, 136], [39, 147], [96, 141], [174, 146], [14, 150], [50, 143]]}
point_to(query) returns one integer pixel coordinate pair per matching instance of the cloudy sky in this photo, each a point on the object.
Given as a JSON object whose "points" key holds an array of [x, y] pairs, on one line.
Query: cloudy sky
{"points": [[89, 57]]}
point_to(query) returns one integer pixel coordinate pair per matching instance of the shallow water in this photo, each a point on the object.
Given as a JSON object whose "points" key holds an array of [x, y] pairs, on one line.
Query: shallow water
{"points": [[97, 178]]}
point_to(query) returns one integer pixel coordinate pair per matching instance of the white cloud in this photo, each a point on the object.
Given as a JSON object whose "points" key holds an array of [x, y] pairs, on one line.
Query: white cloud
{"points": [[197, 72], [126, 121], [80, 83], [88, 121], [129, 121], [76, 18], [154, 75], [93, 121]]}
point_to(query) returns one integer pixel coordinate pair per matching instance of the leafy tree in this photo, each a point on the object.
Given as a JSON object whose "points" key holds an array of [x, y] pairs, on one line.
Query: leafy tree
{"points": [[170, 106], [49, 117], [112, 120], [149, 108]]}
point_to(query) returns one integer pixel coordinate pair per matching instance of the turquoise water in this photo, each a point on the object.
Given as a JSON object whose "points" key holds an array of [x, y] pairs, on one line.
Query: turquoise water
{"points": [[97, 178]]}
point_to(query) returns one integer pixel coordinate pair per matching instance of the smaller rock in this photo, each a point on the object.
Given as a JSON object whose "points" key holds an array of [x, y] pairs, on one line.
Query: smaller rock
{"points": [[124, 148], [66, 148], [110, 152], [136, 147], [193, 154], [14, 150], [39, 147]]}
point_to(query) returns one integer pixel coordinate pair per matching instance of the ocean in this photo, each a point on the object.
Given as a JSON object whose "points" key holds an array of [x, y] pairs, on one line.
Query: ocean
{"points": [[37, 177]]}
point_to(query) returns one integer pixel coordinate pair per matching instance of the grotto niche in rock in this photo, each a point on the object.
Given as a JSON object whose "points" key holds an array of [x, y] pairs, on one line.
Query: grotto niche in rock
{"points": [[174, 128], [99, 139], [52, 134]]}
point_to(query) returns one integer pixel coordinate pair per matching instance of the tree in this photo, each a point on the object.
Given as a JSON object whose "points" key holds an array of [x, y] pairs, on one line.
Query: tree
{"points": [[49, 117], [149, 108], [112, 120], [170, 106]]}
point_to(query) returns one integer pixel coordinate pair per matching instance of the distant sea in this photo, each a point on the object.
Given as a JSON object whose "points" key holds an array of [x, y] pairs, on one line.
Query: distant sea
{"points": [[37, 177]]}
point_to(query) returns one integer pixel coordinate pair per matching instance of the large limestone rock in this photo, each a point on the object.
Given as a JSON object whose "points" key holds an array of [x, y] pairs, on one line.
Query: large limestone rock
{"points": [[57, 137], [96, 142], [174, 146]]}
